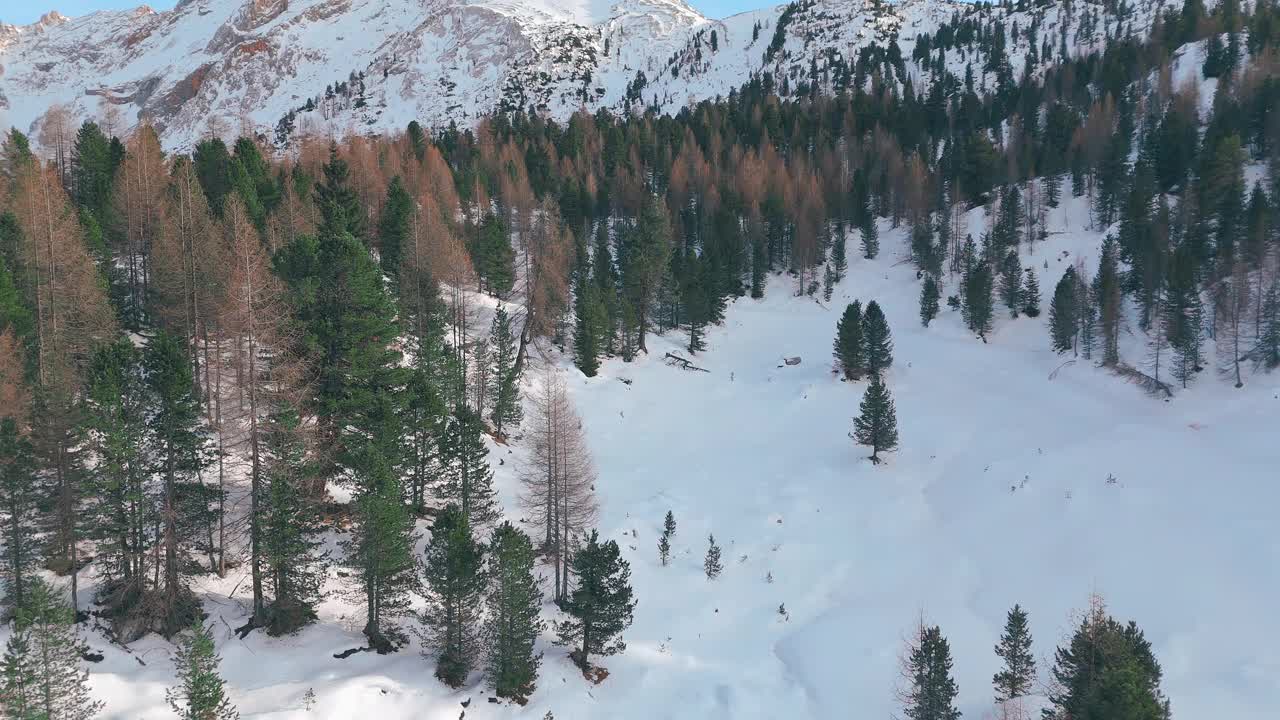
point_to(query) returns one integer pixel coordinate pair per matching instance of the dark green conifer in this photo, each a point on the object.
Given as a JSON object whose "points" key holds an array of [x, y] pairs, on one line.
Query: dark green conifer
{"points": [[466, 477], [600, 608], [201, 693], [1031, 294], [513, 623], [877, 345], [849, 343], [1018, 675], [393, 227], [976, 301], [929, 294], [1063, 313], [454, 573], [932, 693], [505, 375], [1107, 670], [877, 423], [711, 563]]}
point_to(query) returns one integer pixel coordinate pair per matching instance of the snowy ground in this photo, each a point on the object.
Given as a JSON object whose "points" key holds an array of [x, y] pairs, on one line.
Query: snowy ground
{"points": [[998, 495]]}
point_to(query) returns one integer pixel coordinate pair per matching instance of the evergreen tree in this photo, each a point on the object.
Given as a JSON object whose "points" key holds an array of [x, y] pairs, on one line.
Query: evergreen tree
{"points": [[1107, 671], [19, 685], [877, 421], [293, 561], [340, 211], [664, 548], [932, 693], [1019, 673], [1107, 300], [669, 525], [179, 455], [600, 607], [1266, 352], [849, 342], [1031, 294], [711, 564], [929, 294], [18, 513], [493, 256], [467, 478], [393, 228], [870, 238], [976, 305], [647, 251], [839, 261], [201, 692], [505, 376], [877, 346], [454, 572], [513, 625], [1011, 283], [1063, 313], [53, 652], [828, 282]]}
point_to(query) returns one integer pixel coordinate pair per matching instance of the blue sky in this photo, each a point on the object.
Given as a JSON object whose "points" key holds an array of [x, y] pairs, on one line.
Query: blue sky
{"points": [[28, 11]]}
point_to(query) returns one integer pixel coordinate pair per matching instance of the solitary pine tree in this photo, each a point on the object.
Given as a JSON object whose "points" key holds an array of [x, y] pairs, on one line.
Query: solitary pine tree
{"points": [[505, 376], [600, 607], [201, 692], [976, 299], [877, 422], [455, 577], [664, 549], [877, 346], [1063, 312], [1031, 294], [513, 625], [848, 345], [669, 525], [929, 294], [57, 683], [932, 693], [467, 478], [711, 564], [1019, 672], [870, 238]]}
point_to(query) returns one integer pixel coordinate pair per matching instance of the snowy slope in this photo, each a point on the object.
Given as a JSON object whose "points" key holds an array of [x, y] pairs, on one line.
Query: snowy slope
{"points": [[271, 66], [999, 494]]}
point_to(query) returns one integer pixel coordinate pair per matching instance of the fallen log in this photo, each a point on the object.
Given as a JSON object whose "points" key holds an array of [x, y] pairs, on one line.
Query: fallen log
{"points": [[677, 361]]}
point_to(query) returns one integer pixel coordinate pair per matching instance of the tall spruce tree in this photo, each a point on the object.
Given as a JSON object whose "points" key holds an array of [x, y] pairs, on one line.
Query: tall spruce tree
{"points": [[664, 549], [600, 608], [870, 237], [976, 301], [513, 624], [1063, 313], [647, 248], [877, 345], [466, 477], [1031, 294], [669, 525], [179, 454], [849, 343], [929, 294], [201, 693], [393, 227], [1018, 675], [454, 574], [932, 693], [18, 513], [877, 423], [505, 375], [1011, 283], [18, 681], [292, 556]]}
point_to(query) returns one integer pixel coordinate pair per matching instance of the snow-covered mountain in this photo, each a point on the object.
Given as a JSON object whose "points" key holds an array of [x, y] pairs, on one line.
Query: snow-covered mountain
{"points": [[278, 66]]}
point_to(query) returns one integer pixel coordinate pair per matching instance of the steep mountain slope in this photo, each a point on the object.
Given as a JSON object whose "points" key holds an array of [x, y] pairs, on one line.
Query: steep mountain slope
{"points": [[1022, 477], [280, 67]]}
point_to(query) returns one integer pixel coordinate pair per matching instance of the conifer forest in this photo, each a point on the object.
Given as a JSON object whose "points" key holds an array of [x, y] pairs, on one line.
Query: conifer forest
{"points": [[929, 375]]}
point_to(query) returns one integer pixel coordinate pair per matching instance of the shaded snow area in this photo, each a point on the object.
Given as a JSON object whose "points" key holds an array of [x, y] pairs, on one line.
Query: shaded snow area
{"points": [[1010, 487]]}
